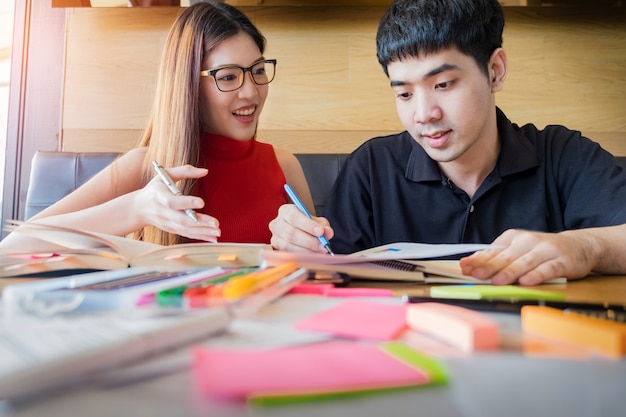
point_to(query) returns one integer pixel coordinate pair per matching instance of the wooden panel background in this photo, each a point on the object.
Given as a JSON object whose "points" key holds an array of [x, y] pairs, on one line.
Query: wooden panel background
{"points": [[567, 66]]}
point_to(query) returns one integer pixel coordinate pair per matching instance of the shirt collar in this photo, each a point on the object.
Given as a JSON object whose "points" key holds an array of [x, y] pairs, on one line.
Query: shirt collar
{"points": [[516, 154]]}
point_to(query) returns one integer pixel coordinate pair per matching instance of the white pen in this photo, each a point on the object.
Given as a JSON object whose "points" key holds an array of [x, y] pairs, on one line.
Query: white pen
{"points": [[169, 183]]}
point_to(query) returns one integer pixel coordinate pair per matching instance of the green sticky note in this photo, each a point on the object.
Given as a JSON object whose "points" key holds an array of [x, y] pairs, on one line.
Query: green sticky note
{"points": [[504, 292], [434, 368]]}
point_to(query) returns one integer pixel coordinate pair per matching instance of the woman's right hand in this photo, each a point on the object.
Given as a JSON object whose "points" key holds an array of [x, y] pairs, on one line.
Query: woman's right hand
{"points": [[158, 206], [293, 231]]}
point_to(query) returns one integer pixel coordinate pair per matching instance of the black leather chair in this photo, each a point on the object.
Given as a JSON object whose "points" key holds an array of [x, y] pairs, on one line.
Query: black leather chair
{"points": [[53, 175], [56, 174], [321, 170]]}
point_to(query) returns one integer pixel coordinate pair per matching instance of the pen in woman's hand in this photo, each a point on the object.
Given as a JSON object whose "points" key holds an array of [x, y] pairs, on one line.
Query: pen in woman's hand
{"points": [[169, 183], [296, 200]]}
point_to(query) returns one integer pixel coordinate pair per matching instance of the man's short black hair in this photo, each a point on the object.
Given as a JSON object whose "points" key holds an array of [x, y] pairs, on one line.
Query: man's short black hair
{"points": [[412, 28]]}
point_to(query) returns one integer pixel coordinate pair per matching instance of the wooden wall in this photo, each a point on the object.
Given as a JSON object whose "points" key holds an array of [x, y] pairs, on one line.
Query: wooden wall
{"points": [[567, 66]]}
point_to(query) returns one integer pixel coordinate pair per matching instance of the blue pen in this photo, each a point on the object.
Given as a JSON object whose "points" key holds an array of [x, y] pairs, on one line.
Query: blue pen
{"points": [[296, 200]]}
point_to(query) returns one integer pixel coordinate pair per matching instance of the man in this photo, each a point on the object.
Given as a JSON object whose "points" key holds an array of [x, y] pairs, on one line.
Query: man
{"points": [[553, 201]]}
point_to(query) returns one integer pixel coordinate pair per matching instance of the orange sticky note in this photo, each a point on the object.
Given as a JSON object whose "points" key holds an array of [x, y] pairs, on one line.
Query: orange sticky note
{"points": [[600, 335], [466, 329]]}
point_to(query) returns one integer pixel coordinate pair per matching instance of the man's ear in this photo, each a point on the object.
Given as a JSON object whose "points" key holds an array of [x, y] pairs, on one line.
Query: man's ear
{"points": [[498, 67]]}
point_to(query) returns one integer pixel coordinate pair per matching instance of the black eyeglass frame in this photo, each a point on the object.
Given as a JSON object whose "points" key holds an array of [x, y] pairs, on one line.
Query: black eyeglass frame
{"points": [[211, 73]]}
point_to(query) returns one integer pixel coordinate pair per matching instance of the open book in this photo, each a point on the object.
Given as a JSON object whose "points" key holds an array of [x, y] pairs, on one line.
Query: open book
{"points": [[56, 250], [401, 261]]}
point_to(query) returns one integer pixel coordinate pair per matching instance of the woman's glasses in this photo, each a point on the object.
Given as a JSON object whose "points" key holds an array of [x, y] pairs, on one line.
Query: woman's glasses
{"points": [[231, 78]]}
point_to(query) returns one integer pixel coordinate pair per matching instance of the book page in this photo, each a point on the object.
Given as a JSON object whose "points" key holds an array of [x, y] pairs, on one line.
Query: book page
{"points": [[82, 240], [226, 255], [411, 250], [63, 264], [399, 250]]}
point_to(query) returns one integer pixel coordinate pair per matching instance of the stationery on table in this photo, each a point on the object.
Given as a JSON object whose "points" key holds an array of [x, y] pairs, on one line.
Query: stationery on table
{"points": [[465, 329], [279, 376], [62, 251], [97, 291], [603, 336], [188, 295], [364, 347], [403, 261], [241, 290], [57, 343], [37, 355], [338, 279], [243, 285], [606, 311], [246, 294], [506, 292], [359, 319], [358, 292], [331, 290]]}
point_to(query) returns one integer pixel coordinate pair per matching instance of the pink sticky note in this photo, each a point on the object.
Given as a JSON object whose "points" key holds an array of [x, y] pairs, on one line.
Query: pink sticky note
{"points": [[331, 367], [318, 289], [359, 319], [359, 292]]}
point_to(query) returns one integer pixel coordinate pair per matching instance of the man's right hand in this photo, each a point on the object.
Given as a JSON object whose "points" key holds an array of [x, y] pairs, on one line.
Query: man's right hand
{"points": [[295, 232]]}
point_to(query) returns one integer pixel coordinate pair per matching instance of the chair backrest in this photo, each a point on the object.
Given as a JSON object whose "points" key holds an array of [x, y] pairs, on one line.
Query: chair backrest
{"points": [[56, 174], [53, 175], [321, 170]]}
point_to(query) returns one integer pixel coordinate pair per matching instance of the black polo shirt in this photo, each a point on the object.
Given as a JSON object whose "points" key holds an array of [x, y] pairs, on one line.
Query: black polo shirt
{"points": [[550, 180]]}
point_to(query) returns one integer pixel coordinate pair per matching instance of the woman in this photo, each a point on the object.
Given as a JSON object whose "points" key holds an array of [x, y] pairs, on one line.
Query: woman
{"points": [[212, 84]]}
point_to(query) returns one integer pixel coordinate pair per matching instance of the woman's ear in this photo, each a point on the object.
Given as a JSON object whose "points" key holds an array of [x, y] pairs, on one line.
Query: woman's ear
{"points": [[498, 67]]}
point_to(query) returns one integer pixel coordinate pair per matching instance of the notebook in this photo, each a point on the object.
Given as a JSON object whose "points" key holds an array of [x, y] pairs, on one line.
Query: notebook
{"points": [[39, 354]]}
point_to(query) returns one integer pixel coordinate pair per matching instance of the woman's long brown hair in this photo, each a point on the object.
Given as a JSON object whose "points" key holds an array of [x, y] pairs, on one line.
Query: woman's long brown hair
{"points": [[174, 130]]}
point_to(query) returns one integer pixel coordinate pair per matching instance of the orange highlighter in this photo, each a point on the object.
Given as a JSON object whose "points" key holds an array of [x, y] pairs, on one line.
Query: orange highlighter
{"points": [[241, 286]]}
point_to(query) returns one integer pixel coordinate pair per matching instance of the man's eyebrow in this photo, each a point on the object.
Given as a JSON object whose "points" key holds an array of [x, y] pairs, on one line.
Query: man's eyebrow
{"points": [[435, 71], [440, 69]]}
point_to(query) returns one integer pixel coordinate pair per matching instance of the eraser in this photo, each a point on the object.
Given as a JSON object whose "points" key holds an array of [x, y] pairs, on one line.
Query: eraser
{"points": [[604, 336], [463, 328]]}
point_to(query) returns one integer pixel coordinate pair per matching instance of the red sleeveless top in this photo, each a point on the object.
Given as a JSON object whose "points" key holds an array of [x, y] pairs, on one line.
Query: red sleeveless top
{"points": [[243, 188]]}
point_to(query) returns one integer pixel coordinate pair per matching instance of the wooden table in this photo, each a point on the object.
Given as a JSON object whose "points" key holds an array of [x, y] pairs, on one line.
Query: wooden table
{"points": [[609, 289]]}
